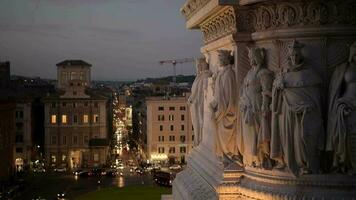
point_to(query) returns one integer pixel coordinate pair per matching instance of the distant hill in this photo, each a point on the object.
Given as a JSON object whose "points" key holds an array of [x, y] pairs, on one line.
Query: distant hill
{"points": [[168, 79]]}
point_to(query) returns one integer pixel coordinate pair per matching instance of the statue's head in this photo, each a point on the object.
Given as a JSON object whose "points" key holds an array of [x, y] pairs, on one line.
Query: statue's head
{"points": [[201, 65], [352, 58], [295, 53], [224, 57], [256, 56]]}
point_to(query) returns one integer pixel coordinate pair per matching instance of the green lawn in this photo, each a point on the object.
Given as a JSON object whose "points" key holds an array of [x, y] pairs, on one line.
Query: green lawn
{"points": [[128, 193]]}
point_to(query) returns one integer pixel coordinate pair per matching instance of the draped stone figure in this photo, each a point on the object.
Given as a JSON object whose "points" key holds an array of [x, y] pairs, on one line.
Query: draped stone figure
{"points": [[341, 132], [297, 126], [196, 99], [255, 100], [223, 106]]}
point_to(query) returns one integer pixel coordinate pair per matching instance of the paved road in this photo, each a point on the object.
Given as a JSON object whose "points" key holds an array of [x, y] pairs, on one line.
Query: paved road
{"points": [[48, 185]]}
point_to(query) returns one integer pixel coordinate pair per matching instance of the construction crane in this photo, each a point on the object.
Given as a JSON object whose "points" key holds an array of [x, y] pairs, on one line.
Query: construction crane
{"points": [[174, 62]]}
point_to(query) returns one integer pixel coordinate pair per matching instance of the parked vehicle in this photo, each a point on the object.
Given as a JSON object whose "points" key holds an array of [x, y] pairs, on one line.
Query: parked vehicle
{"points": [[39, 170], [60, 169], [111, 173], [83, 173], [76, 172], [96, 172], [120, 166], [163, 178], [156, 166], [61, 196], [139, 171], [175, 167]]}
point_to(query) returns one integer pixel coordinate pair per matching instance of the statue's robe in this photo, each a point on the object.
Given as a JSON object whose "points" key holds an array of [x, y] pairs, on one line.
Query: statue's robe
{"points": [[225, 114], [255, 125], [341, 130], [297, 127], [197, 104]]}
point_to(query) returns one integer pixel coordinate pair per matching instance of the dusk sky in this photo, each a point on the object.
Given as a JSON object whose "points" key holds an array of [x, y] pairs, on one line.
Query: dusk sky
{"points": [[122, 39]]}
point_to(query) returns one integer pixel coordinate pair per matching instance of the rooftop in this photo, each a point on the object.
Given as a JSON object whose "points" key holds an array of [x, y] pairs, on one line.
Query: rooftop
{"points": [[74, 63]]}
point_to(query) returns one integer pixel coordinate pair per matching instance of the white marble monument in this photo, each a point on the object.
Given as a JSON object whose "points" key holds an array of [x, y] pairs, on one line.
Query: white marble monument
{"points": [[279, 119]]}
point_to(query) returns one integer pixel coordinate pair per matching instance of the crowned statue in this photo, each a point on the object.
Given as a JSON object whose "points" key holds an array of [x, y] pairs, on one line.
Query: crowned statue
{"points": [[223, 107], [341, 134], [255, 101], [196, 99], [297, 125]]}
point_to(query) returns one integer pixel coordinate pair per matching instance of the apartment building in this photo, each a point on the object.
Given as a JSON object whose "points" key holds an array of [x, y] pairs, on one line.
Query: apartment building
{"points": [[169, 129]]}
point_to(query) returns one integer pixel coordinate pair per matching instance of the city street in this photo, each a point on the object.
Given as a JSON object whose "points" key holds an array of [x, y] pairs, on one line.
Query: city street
{"points": [[47, 186]]}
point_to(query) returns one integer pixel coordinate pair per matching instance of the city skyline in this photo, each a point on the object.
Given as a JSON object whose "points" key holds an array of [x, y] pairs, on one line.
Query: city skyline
{"points": [[122, 40]]}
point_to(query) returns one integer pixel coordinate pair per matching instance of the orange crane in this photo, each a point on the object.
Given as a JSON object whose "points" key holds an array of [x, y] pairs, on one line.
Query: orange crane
{"points": [[174, 62]]}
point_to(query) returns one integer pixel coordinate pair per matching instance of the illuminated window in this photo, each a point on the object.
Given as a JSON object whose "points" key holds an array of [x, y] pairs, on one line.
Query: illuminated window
{"points": [[64, 158], [64, 119], [53, 119], [96, 157], [85, 119], [53, 159], [95, 118]]}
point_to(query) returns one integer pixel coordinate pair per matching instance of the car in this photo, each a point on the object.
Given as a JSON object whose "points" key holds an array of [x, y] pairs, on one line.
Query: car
{"points": [[163, 178], [61, 196], [76, 172], [39, 170], [95, 172], [156, 166], [83, 173], [120, 166], [111, 173], [175, 167], [60, 169], [139, 171]]}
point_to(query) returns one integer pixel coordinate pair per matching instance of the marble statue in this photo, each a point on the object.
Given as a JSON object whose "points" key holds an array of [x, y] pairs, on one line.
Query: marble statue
{"points": [[297, 126], [223, 106], [341, 132], [255, 100], [196, 99]]}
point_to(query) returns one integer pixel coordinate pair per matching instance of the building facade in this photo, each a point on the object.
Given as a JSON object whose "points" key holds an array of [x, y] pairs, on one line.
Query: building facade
{"points": [[169, 129], [7, 133], [76, 133], [23, 135]]}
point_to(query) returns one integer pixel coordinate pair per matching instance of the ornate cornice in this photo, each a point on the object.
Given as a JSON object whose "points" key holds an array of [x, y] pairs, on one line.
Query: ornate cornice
{"points": [[191, 7], [280, 15], [219, 26]]}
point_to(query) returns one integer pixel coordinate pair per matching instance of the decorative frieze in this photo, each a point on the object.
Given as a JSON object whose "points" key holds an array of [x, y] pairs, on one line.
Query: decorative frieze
{"points": [[279, 15], [191, 7], [219, 26]]}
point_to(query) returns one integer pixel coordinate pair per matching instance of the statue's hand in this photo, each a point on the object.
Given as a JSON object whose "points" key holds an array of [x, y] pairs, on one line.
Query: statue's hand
{"points": [[348, 111], [212, 106], [279, 83], [265, 108]]}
